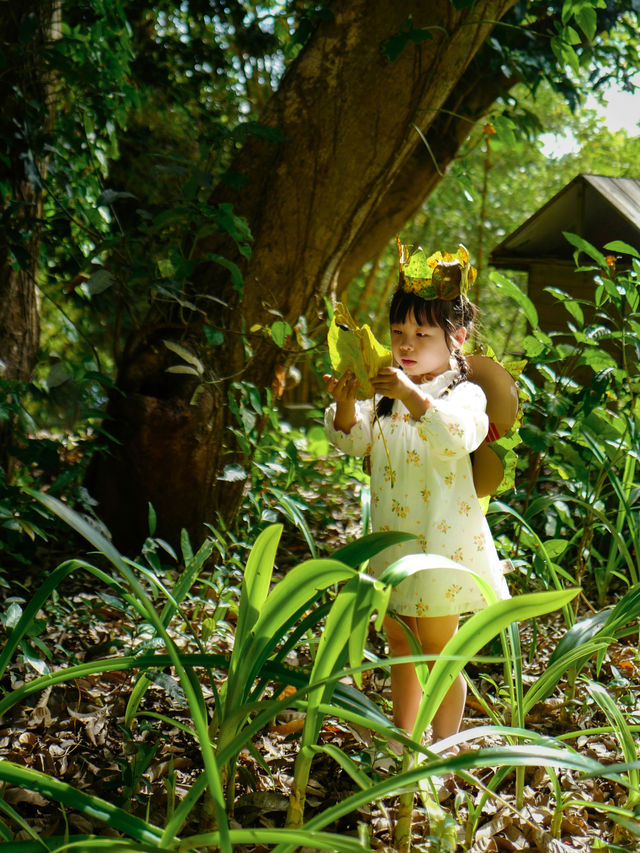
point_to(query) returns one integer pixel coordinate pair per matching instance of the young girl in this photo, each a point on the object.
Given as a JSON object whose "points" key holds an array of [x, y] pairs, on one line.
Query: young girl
{"points": [[432, 418]]}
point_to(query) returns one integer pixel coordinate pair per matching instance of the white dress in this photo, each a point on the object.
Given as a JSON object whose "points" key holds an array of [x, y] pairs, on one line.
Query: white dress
{"points": [[428, 490]]}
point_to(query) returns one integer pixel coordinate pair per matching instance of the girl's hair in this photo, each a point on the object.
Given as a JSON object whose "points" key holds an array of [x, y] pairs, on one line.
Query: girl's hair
{"points": [[449, 314]]}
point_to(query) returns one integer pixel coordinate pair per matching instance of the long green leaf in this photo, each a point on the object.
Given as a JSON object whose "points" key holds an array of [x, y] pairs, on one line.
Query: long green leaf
{"points": [[41, 596], [519, 297], [93, 536], [544, 685], [473, 635], [624, 735], [255, 585], [82, 844], [296, 837], [511, 756], [363, 549], [181, 588], [94, 808], [300, 585]]}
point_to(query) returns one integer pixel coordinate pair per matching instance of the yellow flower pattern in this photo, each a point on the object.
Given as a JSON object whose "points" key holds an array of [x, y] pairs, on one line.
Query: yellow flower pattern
{"points": [[425, 488], [390, 475], [401, 510], [455, 429]]}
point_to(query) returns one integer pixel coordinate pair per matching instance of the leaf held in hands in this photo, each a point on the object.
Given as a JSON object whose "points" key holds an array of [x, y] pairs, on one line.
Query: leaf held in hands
{"points": [[355, 348]]}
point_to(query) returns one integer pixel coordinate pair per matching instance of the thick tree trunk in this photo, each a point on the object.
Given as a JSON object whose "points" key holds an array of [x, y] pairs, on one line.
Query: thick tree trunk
{"points": [[319, 202], [24, 28]]}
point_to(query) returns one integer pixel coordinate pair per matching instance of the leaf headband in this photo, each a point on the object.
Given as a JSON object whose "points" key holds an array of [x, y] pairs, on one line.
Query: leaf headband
{"points": [[440, 276]]}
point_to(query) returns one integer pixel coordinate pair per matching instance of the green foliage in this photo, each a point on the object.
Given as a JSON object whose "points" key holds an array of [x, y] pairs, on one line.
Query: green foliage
{"points": [[271, 619], [581, 422]]}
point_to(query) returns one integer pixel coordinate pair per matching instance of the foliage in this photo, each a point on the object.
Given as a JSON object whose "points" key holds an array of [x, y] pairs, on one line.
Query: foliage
{"points": [[270, 623], [121, 224], [581, 426]]}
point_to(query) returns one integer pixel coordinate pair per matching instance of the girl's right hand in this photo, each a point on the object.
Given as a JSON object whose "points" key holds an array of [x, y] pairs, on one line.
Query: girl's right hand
{"points": [[343, 390]]}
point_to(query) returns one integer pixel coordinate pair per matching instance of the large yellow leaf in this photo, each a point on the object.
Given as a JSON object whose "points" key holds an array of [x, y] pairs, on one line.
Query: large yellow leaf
{"points": [[355, 348]]}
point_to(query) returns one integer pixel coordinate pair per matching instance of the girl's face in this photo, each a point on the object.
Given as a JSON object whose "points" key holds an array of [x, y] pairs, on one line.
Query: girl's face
{"points": [[421, 350]]}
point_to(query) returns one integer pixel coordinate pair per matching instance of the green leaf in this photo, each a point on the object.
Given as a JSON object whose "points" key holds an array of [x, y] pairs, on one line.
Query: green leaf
{"points": [[624, 248], [587, 20], [475, 633], [556, 547], [597, 359], [152, 519], [183, 368], [12, 616], [513, 291], [363, 549], [355, 348], [623, 733], [186, 355], [280, 332], [584, 246], [255, 585], [99, 282], [93, 807], [504, 128]]}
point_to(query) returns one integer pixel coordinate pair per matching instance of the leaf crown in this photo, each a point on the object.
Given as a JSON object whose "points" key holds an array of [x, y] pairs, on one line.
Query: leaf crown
{"points": [[439, 276]]}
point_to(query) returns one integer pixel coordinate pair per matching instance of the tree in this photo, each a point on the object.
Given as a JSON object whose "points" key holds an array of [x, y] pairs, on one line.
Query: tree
{"points": [[345, 118], [24, 84], [204, 288], [339, 167]]}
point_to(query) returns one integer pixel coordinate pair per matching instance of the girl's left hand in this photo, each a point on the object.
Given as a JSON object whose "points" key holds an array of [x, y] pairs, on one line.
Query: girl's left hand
{"points": [[393, 382]]}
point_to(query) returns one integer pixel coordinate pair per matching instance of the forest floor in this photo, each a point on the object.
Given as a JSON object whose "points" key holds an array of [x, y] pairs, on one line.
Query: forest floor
{"points": [[75, 732]]}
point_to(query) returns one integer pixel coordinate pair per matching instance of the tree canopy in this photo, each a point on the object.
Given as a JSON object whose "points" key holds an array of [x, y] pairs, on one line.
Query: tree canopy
{"points": [[190, 180]]}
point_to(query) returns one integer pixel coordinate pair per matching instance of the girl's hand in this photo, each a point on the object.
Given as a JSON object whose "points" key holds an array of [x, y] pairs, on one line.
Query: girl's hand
{"points": [[342, 390], [394, 383]]}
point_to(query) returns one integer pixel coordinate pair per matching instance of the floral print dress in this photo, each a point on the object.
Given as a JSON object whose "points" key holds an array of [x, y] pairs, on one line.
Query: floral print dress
{"points": [[428, 490]]}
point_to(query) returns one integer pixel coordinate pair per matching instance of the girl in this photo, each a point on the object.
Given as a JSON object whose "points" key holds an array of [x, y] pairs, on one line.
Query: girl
{"points": [[432, 418]]}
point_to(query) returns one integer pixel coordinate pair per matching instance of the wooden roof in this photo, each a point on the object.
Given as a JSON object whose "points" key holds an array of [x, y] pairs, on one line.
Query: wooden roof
{"points": [[594, 207]]}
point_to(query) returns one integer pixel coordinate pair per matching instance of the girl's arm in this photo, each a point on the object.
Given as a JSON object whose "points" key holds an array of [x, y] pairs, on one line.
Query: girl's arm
{"points": [[394, 383], [348, 423], [343, 391], [456, 424]]}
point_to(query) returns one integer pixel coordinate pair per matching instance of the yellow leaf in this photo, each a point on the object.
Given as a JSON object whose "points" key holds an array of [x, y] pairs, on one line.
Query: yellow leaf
{"points": [[355, 348]]}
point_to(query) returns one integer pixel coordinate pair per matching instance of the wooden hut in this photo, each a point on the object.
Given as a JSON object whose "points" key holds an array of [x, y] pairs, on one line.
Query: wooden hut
{"points": [[596, 208]]}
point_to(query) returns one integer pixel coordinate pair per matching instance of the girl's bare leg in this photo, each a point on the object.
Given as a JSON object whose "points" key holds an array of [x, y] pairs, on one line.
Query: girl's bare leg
{"points": [[434, 633], [406, 692]]}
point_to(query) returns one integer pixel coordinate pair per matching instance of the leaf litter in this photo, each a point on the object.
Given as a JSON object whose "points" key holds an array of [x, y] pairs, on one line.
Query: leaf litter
{"points": [[75, 732]]}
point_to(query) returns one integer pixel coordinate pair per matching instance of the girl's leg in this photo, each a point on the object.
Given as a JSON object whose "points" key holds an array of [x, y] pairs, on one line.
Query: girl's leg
{"points": [[406, 692], [434, 632]]}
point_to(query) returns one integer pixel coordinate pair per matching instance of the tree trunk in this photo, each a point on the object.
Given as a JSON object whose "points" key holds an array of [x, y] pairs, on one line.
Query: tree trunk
{"points": [[348, 172], [24, 28]]}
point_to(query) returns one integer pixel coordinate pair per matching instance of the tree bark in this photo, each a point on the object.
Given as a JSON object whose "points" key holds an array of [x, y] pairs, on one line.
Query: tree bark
{"points": [[349, 170], [24, 29]]}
